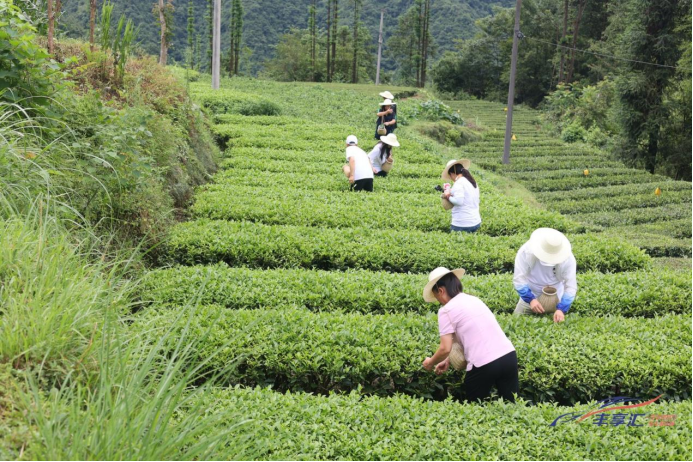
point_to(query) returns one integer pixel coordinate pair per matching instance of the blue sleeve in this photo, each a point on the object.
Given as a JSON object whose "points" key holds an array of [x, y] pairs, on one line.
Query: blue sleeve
{"points": [[566, 301], [526, 294]]}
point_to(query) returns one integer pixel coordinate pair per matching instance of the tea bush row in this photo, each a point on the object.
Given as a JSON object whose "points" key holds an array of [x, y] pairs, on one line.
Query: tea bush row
{"points": [[613, 203], [546, 164], [637, 216], [605, 192]]}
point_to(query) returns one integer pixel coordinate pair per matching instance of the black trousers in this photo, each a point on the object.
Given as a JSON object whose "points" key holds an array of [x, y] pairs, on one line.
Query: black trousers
{"points": [[365, 184], [381, 173], [501, 373]]}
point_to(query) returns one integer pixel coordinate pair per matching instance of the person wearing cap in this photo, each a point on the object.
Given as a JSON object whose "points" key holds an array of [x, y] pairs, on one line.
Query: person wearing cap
{"points": [[491, 357], [387, 117], [382, 153], [545, 260], [360, 169], [463, 195]]}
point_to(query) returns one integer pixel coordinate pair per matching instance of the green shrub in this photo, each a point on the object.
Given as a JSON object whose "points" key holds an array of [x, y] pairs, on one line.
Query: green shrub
{"points": [[596, 137], [581, 359], [573, 133], [354, 427], [500, 215], [264, 246], [637, 293]]}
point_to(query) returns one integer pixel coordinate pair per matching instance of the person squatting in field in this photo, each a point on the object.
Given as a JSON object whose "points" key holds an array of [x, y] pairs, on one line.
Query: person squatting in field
{"points": [[462, 198], [381, 155], [360, 170]]}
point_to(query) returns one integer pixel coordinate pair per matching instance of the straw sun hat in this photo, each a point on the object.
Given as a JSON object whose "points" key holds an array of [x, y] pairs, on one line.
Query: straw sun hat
{"points": [[390, 139], [387, 102], [550, 246], [387, 95], [433, 277], [465, 163]]}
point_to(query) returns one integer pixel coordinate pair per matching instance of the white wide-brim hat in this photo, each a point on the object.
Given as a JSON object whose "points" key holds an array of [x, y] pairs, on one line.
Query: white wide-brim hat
{"points": [[387, 102], [550, 246], [390, 139], [465, 163], [387, 95], [433, 277]]}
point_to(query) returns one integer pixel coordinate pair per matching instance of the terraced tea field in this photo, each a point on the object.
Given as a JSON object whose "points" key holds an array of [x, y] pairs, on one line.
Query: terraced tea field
{"points": [[610, 198], [313, 293]]}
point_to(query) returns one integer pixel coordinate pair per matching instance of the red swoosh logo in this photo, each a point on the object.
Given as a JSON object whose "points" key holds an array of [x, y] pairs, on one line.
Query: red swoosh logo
{"points": [[618, 407]]}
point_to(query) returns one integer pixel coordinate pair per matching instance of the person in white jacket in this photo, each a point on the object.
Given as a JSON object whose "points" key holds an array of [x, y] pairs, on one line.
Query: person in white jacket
{"points": [[545, 260], [464, 196]]}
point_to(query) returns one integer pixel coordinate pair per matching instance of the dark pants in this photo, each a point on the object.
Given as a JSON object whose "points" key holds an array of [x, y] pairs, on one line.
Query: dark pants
{"points": [[466, 229], [381, 173], [365, 184], [501, 373]]}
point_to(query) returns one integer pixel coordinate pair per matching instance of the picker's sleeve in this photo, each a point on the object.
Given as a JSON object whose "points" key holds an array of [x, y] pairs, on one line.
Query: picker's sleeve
{"points": [[569, 270], [523, 265]]}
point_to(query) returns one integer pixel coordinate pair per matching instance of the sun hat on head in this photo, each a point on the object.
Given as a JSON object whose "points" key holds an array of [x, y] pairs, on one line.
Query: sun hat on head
{"points": [[433, 277], [387, 95], [551, 247], [387, 102], [352, 140], [465, 163], [390, 139]]}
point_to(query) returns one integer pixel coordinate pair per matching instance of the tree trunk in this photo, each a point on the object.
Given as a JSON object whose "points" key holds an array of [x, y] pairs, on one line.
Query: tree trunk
{"points": [[652, 149], [354, 66], [51, 17], [313, 32], [565, 32], [162, 20], [335, 25], [576, 30], [92, 23], [329, 43], [211, 34], [216, 39], [232, 45], [424, 56]]}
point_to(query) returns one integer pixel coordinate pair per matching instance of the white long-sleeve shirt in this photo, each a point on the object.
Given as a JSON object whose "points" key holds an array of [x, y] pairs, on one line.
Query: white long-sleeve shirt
{"points": [[376, 158], [465, 200], [531, 276]]}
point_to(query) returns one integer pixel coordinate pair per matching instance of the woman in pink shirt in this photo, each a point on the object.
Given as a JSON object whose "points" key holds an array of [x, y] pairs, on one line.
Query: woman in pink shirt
{"points": [[491, 358]]}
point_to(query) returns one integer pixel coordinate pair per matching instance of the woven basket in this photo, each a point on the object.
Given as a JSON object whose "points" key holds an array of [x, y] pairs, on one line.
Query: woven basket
{"points": [[387, 166], [447, 205], [548, 299], [457, 359]]}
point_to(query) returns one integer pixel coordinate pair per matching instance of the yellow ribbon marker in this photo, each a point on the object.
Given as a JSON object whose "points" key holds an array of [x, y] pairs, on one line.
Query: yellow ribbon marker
{"points": [[514, 138], [658, 192], [506, 109], [585, 172]]}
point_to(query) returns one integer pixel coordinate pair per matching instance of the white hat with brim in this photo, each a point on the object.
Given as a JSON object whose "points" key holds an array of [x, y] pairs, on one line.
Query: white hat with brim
{"points": [[390, 139], [551, 247], [465, 163], [433, 277], [387, 102], [387, 95]]}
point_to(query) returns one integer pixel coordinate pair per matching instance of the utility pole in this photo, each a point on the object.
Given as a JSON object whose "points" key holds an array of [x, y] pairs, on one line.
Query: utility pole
{"points": [[380, 48], [216, 45], [511, 86]]}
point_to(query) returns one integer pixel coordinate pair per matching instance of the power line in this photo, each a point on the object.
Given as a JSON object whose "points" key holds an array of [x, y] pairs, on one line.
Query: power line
{"points": [[603, 55]]}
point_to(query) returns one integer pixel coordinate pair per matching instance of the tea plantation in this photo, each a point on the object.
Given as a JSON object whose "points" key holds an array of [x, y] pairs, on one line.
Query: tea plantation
{"points": [[308, 295]]}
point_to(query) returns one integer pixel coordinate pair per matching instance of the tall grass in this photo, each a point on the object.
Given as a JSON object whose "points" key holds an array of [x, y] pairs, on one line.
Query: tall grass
{"points": [[83, 385], [143, 406]]}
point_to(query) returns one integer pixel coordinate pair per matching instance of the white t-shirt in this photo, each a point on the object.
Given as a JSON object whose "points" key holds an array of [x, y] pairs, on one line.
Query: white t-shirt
{"points": [[465, 200], [362, 165], [376, 158]]}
